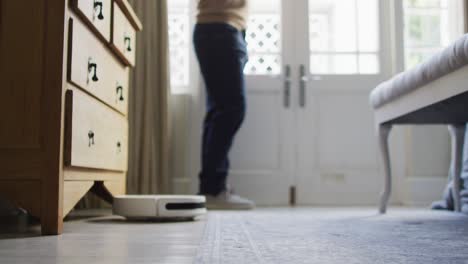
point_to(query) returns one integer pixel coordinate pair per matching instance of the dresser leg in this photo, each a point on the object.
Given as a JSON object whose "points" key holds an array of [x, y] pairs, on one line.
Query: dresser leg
{"points": [[100, 190], [51, 208], [49, 227]]}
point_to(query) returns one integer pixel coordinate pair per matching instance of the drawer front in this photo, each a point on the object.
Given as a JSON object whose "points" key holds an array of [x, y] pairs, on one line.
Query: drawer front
{"points": [[95, 13], [95, 135], [123, 36], [94, 69]]}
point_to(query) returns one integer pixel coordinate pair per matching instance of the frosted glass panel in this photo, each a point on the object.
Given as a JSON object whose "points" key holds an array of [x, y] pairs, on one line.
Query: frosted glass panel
{"points": [[179, 44], [263, 64], [264, 38]]}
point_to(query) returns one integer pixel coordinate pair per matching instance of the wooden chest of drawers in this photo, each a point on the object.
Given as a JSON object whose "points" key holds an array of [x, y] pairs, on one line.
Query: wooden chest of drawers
{"points": [[65, 84]]}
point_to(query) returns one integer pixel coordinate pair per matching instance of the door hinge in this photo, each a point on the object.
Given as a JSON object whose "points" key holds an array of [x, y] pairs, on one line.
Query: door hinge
{"points": [[292, 195]]}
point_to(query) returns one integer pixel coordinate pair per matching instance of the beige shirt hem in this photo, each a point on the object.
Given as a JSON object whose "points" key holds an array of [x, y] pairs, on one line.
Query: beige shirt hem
{"points": [[216, 19]]}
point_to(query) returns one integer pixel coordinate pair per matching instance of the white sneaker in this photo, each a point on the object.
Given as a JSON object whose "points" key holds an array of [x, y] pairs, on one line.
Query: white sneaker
{"points": [[228, 201]]}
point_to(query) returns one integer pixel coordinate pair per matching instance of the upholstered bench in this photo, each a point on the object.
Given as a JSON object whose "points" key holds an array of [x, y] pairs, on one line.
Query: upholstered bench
{"points": [[435, 92]]}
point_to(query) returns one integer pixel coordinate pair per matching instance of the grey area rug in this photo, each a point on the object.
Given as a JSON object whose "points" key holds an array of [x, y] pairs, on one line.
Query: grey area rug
{"points": [[334, 236]]}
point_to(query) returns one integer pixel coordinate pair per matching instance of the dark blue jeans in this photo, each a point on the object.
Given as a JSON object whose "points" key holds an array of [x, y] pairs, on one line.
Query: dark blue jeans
{"points": [[222, 55]]}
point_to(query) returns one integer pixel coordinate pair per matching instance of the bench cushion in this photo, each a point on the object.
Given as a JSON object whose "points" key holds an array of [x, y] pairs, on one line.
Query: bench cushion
{"points": [[449, 60]]}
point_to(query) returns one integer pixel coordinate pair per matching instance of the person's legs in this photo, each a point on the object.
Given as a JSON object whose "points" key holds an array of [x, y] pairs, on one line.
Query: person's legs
{"points": [[447, 197], [222, 55]]}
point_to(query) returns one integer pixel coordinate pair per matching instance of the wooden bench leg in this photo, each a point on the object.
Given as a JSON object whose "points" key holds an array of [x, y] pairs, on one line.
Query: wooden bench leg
{"points": [[457, 133], [383, 132]]}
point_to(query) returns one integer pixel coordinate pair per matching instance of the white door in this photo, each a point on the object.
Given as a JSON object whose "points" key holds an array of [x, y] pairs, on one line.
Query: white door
{"points": [[309, 124], [261, 158], [342, 54]]}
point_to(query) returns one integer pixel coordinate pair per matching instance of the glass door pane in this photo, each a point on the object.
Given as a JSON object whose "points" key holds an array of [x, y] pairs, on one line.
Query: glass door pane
{"points": [[180, 44], [344, 36], [430, 25]]}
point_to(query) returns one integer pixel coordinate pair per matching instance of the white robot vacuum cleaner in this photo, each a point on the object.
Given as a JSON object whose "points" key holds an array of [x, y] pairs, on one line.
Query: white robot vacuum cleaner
{"points": [[142, 207]]}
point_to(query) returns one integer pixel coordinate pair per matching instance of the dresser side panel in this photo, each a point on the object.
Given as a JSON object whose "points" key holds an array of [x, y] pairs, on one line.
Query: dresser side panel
{"points": [[21, 72]]}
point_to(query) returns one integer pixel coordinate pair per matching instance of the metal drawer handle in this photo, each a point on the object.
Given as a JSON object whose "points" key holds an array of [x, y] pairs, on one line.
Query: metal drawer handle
{"points": [[92, 68], [120, 93], [90, 138], [119, 147], [98, 5], [128, 43]]}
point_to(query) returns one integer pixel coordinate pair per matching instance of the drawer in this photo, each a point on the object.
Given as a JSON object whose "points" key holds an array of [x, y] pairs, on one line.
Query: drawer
{"points": [[93, 68], [123, 36], [95, 135], [96, 14]]}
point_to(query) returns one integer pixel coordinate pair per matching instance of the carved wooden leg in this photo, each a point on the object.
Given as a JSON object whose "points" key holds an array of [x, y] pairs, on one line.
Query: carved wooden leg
{"points": [[457, 133], [383, 132], [101, 190]]}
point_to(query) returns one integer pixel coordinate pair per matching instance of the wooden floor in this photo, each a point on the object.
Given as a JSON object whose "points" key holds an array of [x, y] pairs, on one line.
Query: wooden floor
{"points": [[101, 240], [311, 235]]}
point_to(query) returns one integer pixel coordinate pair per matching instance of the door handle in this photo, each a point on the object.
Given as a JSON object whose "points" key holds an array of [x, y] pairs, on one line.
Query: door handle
{"points": [[302, 86], [287, 86]]}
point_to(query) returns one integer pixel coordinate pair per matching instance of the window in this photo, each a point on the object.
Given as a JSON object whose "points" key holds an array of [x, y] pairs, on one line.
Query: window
{"points": [[179, 44], [344, 36], [264, 38], [430, 25]]}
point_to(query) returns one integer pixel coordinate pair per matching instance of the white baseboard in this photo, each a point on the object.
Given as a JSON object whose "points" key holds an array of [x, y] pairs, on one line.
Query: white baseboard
{"points": [[422, 191], [182, 186]]}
